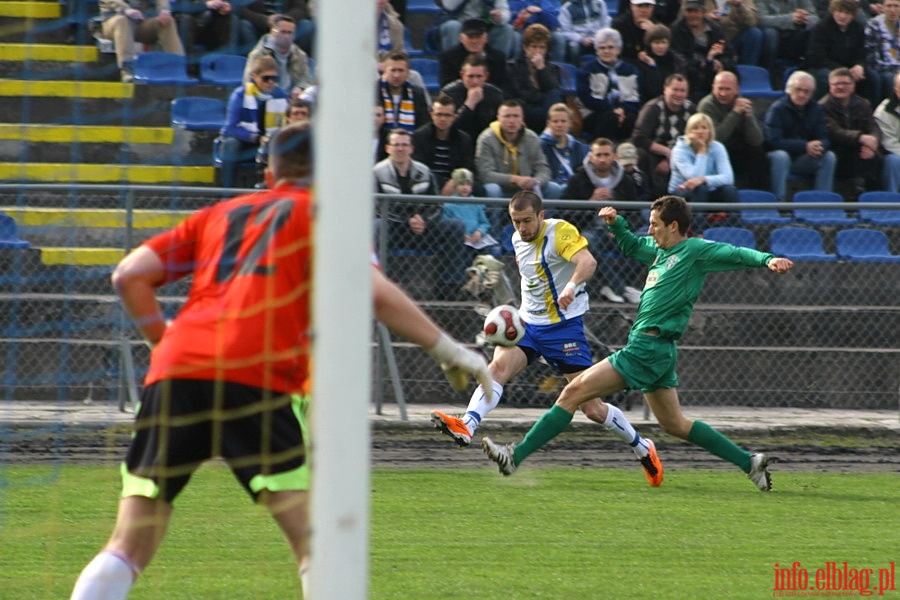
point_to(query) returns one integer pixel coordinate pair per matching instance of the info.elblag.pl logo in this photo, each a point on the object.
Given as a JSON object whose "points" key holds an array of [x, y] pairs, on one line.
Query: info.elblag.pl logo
{"points": [[833, 577]]}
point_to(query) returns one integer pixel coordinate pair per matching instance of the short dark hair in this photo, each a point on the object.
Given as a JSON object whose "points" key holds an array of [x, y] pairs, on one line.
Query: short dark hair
{"points": [[278, 18], [299, 103], [291, 152], [525, 199], [473, 60], [845, 6], [511, 103], [839, 72], [657, 32], [399, 131], [673, 208], [674, 77], [398, 55], [602, 141], [444, 100]]}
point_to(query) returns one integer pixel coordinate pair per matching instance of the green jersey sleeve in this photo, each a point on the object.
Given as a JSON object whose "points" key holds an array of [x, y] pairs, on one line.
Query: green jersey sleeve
{"points": [[641, 248]]}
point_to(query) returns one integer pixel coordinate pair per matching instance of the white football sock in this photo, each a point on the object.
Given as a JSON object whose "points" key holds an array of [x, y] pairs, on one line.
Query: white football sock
{"points": [[108, 577], [617, 423], [478, 408], [304, 579]]}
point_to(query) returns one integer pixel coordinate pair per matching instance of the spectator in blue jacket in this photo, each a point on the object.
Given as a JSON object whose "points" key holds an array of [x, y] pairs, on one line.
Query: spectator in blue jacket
{"points": [[701, 169], [609, 89], [797, 136], [564, 153], [255, 109]]}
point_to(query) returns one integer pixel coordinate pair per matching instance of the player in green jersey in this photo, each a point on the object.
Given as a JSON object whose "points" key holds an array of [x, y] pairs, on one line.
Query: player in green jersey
{"points": [[678, 266]]}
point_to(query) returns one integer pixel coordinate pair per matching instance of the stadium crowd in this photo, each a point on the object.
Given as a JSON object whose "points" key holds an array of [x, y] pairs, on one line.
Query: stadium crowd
{"points": [[563, 99]]}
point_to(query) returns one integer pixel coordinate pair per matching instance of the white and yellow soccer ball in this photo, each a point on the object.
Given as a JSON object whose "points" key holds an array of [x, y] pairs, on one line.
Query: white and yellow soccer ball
{"points": [[503, 326]]}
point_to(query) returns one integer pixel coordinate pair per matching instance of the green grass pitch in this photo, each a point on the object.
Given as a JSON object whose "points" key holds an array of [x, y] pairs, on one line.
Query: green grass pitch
{"points": [[555, 533]]}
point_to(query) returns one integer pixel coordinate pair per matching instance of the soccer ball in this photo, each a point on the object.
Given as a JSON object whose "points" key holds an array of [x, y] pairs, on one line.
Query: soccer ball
{"points": [[503, 326]]}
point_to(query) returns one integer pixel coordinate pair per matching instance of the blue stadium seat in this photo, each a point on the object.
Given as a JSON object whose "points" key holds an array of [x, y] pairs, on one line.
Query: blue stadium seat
{"points": [[864, 245], [161, 68], [876, 216], [9, 234], [568, 81], [222, 69], [799, 244], [422, 7], [824, 217], [411, 51], [429, 69], [612, 7], [755, 82], [760, 216], [736, 236], [196, 113]]}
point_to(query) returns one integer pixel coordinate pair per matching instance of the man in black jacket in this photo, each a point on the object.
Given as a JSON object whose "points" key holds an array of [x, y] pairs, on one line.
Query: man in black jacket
{"points": [[601, 177], [473, 41], [443, 146], [477, 99]]}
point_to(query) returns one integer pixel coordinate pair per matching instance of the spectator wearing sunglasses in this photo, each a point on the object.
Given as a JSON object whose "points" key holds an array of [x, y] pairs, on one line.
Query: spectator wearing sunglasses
{"points": [[294, 74], [255, 110]]}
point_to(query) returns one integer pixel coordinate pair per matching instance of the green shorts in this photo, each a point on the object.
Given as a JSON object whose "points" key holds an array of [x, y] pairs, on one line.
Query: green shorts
{"points": [[647, 362]]}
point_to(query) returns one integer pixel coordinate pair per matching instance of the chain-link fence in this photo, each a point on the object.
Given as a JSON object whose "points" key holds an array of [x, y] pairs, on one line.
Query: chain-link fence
{"points": [[825, 335]]}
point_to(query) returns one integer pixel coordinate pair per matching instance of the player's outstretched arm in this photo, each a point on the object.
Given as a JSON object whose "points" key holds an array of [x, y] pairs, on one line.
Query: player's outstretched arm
{"points": [[135, 279], [780, 265], [403, 316]]}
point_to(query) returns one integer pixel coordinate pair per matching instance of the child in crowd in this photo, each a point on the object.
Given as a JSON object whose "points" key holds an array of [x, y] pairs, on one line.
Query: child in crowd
{"points": [[658, 61], [472, 215]]}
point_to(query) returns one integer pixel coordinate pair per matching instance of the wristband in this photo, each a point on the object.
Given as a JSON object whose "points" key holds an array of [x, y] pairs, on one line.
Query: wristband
{"points": [[570, 286]]}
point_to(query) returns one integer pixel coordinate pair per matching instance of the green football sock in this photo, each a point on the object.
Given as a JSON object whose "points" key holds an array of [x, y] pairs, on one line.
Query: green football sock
{"points": [[711, 440], [551, 424]]}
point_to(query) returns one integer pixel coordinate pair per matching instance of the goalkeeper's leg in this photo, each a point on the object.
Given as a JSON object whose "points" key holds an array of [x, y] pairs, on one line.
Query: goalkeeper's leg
{"points": [[140, 527], [289, 508]]}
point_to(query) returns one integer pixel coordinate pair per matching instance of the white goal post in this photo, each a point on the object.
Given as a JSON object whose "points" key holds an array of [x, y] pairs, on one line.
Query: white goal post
{"points": [[342, 305]]}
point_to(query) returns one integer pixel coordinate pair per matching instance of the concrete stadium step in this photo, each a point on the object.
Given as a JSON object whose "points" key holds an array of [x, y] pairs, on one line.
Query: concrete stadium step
{"points": [[48, 227], [67, 369], [55, 53], [24, 272], [47, 9], [740, 325], [71, 316], [756, 377], [62, 196], [75, 144], [96, 102], [107, 173], [808, 284]]}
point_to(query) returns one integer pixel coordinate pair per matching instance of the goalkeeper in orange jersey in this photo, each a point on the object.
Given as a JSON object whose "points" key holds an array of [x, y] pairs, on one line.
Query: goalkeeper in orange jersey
{"points": [[229, 376]]}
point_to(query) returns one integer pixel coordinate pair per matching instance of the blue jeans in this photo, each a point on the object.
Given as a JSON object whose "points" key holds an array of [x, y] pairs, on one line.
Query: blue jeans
{"points": [[781, 165], [234, 152], [748, 45], [891, 173]]}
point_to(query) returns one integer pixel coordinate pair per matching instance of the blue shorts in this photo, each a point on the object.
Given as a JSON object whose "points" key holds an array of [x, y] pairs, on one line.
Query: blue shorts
{"points": [[563, 345], [647, 362]]}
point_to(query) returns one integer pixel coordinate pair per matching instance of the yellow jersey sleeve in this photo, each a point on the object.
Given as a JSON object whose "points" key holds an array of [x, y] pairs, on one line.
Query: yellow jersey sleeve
{"points": [[568, 240]]}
